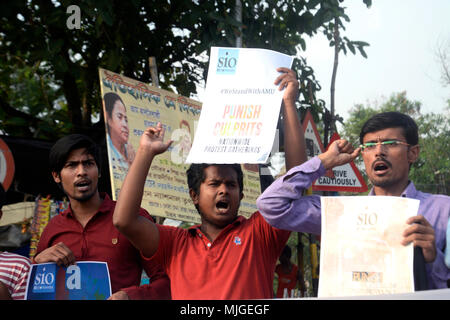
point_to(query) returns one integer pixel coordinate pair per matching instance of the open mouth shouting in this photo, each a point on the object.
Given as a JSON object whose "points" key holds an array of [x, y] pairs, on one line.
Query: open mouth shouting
{"points": [[222, 206], [83, 185], [380, 167]]}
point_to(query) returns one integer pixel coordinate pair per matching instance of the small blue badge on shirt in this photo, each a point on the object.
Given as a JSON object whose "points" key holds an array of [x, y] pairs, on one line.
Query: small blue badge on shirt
{"points": [[237, 240]]}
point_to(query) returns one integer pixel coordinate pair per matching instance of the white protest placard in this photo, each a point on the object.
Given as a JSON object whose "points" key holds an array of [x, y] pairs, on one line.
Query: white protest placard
{"points": [[241, 107], [361, 250]]}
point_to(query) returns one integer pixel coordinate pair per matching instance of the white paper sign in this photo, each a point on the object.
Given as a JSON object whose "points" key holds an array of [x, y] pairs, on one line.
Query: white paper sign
{"points": [[361, 250], [241, 107]]}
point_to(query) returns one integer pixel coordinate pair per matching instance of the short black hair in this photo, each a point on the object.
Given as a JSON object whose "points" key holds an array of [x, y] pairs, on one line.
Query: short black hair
{"points": [[287, 252], [196, 174], [392, 119], [62, 148]]}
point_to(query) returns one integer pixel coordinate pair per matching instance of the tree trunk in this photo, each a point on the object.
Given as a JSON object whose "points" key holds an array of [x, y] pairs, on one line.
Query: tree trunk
{"points": [[333, 76], [73, 100]]}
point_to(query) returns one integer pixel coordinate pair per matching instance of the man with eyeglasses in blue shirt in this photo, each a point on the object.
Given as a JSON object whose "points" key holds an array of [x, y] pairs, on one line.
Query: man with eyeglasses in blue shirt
{"points": [[389, 146]]}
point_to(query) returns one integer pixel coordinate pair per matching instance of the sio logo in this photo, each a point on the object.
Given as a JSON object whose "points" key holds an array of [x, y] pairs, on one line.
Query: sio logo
{"points": [[228, 58], [44, 280]]}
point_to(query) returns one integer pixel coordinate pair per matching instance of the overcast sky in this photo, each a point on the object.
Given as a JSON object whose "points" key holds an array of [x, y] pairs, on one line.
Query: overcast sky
{"points": [[403, 37]]}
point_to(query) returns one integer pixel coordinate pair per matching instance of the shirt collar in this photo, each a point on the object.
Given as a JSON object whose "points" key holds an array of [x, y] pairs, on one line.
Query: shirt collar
{"points": [[195, 229], [106, 206], [409, 192]]}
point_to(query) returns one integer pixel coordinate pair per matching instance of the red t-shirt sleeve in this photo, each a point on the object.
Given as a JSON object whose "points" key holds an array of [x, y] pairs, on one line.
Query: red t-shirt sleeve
{"points": [[167, 237], [273, 238]]}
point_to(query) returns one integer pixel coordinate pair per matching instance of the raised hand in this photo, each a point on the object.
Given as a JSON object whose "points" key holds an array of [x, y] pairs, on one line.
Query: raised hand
{"points": [[339, 152], [152, 140], [287, 81]]}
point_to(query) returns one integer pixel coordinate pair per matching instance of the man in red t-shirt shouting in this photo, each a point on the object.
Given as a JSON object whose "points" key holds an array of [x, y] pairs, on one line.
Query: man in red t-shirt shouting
{"points": [[227, 256]]}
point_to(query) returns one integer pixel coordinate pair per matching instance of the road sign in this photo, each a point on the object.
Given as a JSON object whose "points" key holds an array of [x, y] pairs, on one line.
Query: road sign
{"points": [[313, 143], [346, 178], [6, 165]]}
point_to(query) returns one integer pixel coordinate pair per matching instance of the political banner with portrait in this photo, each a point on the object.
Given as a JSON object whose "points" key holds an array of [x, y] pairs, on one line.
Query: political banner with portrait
{"points": [[130, 106]]}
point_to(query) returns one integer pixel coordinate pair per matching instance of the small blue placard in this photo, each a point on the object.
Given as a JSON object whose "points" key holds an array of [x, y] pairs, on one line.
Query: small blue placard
{"points": [[82, 281], [44, 280]]}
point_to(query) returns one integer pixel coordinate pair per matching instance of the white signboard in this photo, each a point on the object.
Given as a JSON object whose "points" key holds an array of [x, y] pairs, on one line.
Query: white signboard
{"points": [[313, 143], [361, 250], [344, 179], [241, 106]]}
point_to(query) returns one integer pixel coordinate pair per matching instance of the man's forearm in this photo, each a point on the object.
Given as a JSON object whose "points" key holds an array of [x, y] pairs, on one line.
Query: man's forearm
{"points": [[141, 232], [283, 205], [130, 197], [294, 139], [4, 292]]}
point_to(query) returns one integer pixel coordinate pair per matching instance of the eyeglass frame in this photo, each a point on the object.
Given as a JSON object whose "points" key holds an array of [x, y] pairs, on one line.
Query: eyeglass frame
{"points": [[386, 143]]}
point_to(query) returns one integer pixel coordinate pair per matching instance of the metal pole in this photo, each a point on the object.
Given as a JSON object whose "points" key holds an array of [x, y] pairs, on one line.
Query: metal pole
{"points": [[153, 71], [238, 16]]}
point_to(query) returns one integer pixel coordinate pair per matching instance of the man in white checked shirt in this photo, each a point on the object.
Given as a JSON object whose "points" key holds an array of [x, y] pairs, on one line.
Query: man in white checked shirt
{"points": [[14, 268]]}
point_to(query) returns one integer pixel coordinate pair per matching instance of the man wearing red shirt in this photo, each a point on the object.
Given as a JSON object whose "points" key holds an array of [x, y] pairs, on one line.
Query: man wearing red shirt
{"points": [[84, 232], [227, 256], [287, 273]]}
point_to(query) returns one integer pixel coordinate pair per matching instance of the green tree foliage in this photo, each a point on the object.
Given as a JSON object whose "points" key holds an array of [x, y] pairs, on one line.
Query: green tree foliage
{"points": [[431, 172], [49, 72]]}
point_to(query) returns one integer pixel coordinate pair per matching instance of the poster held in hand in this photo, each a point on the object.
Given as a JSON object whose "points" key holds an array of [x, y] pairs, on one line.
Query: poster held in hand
{"points": [[87, 280], [241, 106], [361, 250]]}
